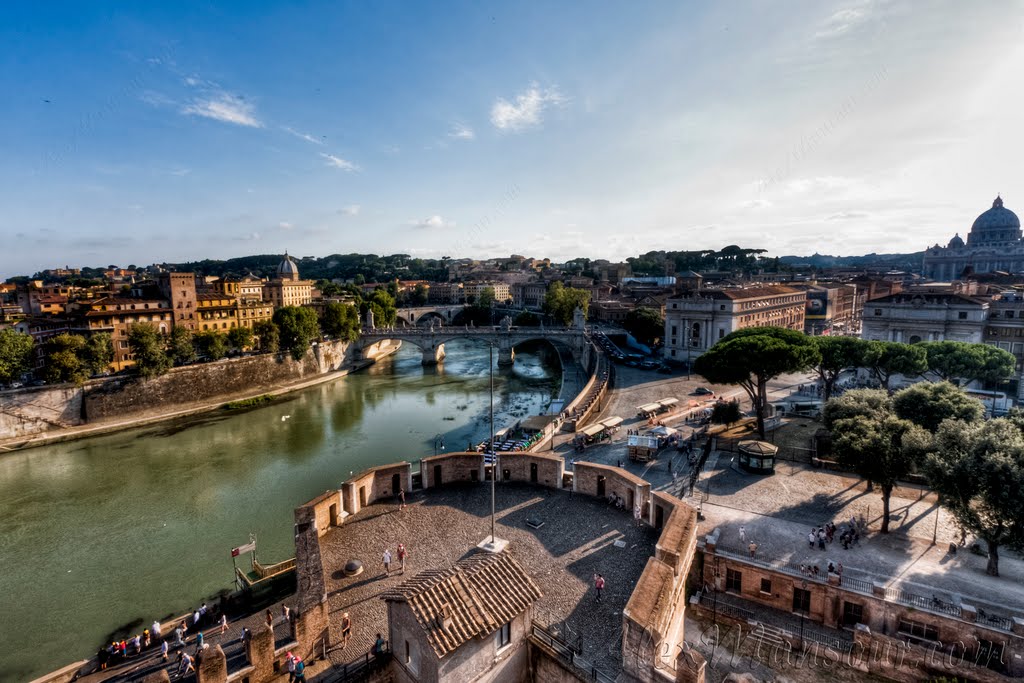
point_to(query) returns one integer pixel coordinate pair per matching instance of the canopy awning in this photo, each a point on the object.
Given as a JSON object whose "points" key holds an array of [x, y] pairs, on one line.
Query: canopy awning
{"points": [[664, 431], [668, 402], [649, 408], [761, 448], [592, 430], [612, 421]]}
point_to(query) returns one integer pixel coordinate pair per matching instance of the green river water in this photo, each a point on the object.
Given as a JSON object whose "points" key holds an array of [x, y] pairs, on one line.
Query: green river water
{"points": [[99, 532]]}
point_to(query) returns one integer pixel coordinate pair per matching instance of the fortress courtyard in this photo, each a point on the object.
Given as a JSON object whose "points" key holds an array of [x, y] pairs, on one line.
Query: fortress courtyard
{"points": [[440, 526]]}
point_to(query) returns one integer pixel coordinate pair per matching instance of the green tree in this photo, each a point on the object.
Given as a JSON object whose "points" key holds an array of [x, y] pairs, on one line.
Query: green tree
{"points": [[340, 321], [978, 471], [211, 344], [268, 336], [886, 359], [881, 448], [752, 357], [962, 362], [383, 306], [645, 324], [928, 405], [241, 337], [726, 412], [419, 295], [486, 298], [526, 319], [561, 302], [182, 348], [298, 327], [63, 359], [837, 354], [147, 345], [857, 403], [15, 354], [99, 352]]}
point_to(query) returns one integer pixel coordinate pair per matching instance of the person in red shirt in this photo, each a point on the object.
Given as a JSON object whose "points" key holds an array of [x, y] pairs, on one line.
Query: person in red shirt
{"points": [[598, 585]]}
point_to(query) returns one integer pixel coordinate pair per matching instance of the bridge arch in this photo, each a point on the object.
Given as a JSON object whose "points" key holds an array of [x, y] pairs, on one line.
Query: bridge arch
{"points": [[432, 342]]}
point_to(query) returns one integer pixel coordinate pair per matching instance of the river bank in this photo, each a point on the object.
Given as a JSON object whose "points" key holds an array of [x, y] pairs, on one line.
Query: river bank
{"points": [[108, 530], [189, 409]]}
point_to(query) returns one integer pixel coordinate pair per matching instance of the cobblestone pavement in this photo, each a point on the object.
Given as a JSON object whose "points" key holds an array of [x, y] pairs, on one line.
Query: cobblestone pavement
{"points": [[440, 527]]}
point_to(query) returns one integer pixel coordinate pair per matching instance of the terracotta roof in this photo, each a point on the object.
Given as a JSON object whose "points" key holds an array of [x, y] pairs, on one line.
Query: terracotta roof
{"points": [[480, 592], [751, 292]]}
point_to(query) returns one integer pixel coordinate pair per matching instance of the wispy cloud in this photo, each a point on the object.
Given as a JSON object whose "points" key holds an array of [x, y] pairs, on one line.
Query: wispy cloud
{"points": [[249, 237], [526, 110], [303, 136], [351, 210], [285, 225], [338, 162], [433, 223], [225, 107], [843, 21], [461, 131]]}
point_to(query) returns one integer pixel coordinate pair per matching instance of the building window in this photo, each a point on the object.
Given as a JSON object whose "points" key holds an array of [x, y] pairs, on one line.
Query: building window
{"points": [[733, 580], [878, 311], [1009, 314], [766, 586], [721, 333], [673, 330], [505, 635], [853, 613], [917, 629], [721, 307], [961, 315], [801, 600]]}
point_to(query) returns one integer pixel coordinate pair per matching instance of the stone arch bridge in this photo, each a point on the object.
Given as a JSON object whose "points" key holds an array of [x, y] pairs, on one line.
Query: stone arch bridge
{"points": [[431, 341], [417, 315]]}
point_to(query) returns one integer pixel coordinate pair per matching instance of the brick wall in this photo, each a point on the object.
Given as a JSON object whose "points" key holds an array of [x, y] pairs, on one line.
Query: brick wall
{"points": [[375, 484], [587, 478], [455, 467]]}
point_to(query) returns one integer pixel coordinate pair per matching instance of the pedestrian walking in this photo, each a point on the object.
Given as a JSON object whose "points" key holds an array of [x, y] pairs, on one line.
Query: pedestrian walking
{"points": [[378, 647], [185, 664], [163, 650], [401, 498], [346, 630], [743, 534], [289, 666], [286, 612], [179, 640], [155, 629], [839, 572], [300, 670], [821, 539], [598, 586], [811, 537], [270, 620], [386, 558], [753, 549], [223, 623], [402, 552]]}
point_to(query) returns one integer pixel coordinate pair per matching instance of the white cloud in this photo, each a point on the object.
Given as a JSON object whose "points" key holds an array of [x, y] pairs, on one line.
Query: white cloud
{"points": [[285, 225], [434, 223], [226, 108], [351, 210], [461, 131], [526, 111], [338, 162], [250, 237], [304, 136], [843, 21], [192, 81]]}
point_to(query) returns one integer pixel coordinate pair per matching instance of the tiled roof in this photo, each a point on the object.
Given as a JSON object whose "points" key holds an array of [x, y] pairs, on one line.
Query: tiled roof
{"points": [[751, 292], [481, 592]]}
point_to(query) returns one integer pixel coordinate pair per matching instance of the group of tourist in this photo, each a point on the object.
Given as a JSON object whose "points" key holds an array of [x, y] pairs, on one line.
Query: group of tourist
{"points": [[813, 571], [849, 535], [174, 639]]}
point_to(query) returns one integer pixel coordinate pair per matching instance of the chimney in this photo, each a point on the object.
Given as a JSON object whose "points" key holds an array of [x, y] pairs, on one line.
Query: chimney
{"points": [[444, 618]]}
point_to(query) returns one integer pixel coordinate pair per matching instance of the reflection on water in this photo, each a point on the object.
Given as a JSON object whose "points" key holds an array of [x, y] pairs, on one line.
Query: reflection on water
{"points": [[98, 533]]}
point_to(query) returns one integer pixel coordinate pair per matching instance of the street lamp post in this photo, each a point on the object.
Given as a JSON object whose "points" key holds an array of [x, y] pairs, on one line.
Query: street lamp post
{"points": [[438, 439], [494, 454]]}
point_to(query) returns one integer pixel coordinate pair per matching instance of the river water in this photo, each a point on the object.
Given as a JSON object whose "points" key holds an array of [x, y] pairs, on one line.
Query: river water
{"points": [[135, 525]]}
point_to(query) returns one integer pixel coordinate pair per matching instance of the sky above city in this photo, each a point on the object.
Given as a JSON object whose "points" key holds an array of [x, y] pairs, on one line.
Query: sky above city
{"points": [[148, 132]]}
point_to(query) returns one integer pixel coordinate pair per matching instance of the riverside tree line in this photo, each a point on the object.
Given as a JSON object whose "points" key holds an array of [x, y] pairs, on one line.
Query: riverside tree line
{"points": [[932, 428]]}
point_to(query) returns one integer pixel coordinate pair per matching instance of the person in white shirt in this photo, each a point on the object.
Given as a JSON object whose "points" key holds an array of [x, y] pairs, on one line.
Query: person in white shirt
{"points": [[387, 561]]}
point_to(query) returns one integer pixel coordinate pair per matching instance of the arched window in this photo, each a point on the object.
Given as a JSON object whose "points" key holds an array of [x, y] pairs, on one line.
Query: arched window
{"points": [[914, 339]]}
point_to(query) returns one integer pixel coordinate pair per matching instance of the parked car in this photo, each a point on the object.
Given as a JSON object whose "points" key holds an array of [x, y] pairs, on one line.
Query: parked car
{"points": [[664, 369], [703, 391], [649, 364]]}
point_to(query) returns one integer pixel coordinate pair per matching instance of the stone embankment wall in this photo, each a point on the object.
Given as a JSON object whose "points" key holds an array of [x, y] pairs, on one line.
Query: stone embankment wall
{"points": [[34, 411], [24, 412]]}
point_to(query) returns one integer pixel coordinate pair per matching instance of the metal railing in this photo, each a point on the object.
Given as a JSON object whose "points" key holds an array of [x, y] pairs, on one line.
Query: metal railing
{"points": [[932, 604], [359, 669], [570, 654]]}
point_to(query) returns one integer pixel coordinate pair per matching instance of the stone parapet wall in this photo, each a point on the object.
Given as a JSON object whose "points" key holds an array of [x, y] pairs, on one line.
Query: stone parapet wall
{"points": [[453, 468], [589, 477], [373, 484]]}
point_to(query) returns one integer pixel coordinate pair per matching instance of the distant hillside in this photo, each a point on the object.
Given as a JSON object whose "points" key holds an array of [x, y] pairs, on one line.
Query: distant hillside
{"points": [[887, 261]]}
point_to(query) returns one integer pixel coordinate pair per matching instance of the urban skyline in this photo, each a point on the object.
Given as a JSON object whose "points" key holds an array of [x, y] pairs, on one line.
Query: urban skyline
{"points": [[147, 136]]}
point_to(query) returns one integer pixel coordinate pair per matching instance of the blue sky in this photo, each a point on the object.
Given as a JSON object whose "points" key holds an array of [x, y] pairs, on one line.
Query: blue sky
{"points": [[136, 133]]}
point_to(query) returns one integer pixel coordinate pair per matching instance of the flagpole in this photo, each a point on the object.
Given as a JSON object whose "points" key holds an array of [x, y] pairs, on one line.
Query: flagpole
{"points": [[494, 454]]}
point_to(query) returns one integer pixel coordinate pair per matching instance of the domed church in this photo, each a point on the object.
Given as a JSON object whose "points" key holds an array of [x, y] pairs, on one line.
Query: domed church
{"points": [[994, 243], [287, 289]]}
